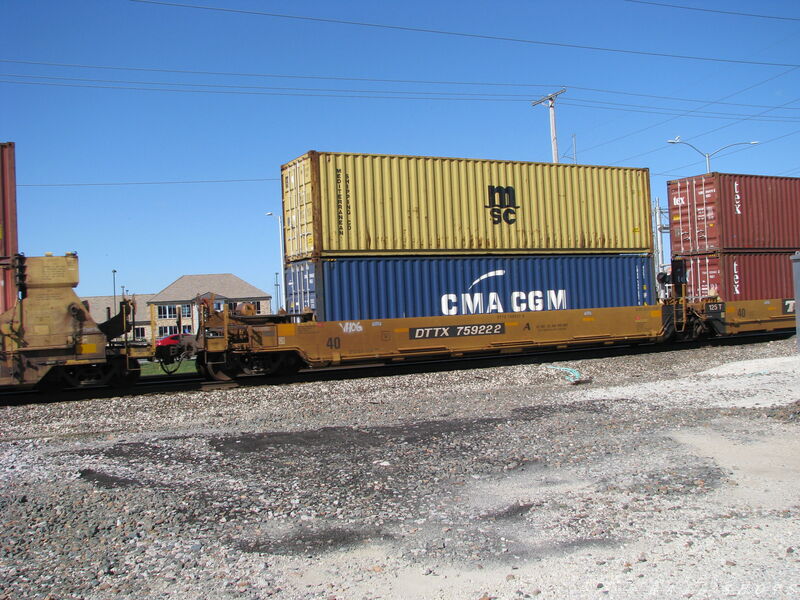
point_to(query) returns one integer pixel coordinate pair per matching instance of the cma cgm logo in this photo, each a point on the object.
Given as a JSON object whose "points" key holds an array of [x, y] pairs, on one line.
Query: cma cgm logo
{"points": [[475, 303], [502, 204]]}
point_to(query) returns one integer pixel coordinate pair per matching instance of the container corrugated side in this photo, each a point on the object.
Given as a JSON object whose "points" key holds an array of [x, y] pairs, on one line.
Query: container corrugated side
{"points": [[738, 276], [372, 205], [8, 227], [727, 212], [384, 288]]}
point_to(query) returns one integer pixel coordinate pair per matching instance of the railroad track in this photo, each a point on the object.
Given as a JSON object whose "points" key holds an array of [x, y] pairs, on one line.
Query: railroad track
{"points": [[160, 384]]}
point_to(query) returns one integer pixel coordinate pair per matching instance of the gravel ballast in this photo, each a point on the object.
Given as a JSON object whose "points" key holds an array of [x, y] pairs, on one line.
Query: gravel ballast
{"points": [[663, 474]]}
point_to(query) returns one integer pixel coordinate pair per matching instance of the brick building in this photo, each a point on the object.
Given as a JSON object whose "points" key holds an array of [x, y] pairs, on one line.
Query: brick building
{"points": [[175, 307]]}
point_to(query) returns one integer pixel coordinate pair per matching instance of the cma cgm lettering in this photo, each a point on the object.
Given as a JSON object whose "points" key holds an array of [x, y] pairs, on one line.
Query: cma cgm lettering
{"points": [[479, 303], [352, 289]]}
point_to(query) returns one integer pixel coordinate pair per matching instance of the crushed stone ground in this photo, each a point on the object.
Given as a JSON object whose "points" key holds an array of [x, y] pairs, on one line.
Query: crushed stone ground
{"points": [[666, 474]]}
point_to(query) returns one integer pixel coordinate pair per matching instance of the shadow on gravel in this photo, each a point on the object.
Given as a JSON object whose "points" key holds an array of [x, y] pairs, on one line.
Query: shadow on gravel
{"points": [[324, 540], [134, 450], [369, 437], [106, 481], [336, 436], [529, 413]]}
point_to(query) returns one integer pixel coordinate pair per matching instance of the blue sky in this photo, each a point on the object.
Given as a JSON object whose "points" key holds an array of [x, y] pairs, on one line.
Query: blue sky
{"points": [[120, 91]]}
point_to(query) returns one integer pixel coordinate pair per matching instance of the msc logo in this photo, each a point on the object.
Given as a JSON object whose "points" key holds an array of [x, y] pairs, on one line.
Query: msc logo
{"points": [[502, 204]]}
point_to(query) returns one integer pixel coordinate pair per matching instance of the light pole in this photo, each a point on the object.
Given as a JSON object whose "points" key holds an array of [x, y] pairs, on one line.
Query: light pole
{"points": [[114, 288], [708, 155], [280, 255]]}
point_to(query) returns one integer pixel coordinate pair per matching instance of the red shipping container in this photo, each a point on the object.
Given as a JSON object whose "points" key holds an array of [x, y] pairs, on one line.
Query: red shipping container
{"points": [[731, 277], [8, 225], [720, 212]]}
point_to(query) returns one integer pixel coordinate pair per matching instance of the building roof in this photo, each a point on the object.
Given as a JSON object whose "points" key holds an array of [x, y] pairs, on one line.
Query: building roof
{"points": [[99, 306], [222, 285]]}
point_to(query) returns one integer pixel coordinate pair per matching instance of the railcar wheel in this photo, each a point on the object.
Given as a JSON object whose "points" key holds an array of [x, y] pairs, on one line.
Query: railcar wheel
{"points": [[52, 382], [123, 375], [290, 364], [200, 366], [219, 368]]}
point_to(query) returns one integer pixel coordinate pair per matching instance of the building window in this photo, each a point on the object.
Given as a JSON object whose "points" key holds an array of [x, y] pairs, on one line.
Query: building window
{"points": [[257, 306], [218, 306], [168, 330], [187, 329], [167, 312], [186, 310], [232, 305], [139, 333]]}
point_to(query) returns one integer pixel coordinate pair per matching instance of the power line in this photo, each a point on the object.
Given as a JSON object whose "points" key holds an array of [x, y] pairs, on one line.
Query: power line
{"points": [[381, 95], [744, 119], [276, 75], [259, 87], [789, 171], [361, 79], [146, 182], [735, 150], [254, 93], [665, 121], [721, 12], [578, 102], [662, 147], [655, 110], [468, 35]]}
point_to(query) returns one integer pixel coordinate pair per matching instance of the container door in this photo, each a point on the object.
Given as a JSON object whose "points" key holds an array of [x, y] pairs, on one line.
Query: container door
{"points": [[694, 212], [298, 208], [301, 287]]}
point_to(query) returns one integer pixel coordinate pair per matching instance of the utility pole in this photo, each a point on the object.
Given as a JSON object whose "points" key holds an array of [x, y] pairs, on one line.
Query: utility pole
{"points": [[574, 149], [551, 102], [281, 255], [277, 291]]}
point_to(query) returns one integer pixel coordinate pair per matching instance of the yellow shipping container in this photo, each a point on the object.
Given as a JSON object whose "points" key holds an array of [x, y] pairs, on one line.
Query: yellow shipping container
{"points": [[372, 205]]}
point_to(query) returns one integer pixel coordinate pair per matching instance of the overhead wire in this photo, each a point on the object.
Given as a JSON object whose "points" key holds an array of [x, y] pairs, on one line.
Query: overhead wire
{"points": [[406, 94], [402, 94], [659, 148], [735, 150], [119, 183], [373, 80], [467, 35], [717, 11], [375, 96]]}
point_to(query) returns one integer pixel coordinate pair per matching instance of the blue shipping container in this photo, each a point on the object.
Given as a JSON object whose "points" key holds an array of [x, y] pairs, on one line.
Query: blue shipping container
{"points": [[351, 289]]}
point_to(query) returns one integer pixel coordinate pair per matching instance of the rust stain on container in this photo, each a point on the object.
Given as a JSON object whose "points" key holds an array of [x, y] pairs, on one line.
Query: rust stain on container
{"points": [[362, 205]]}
